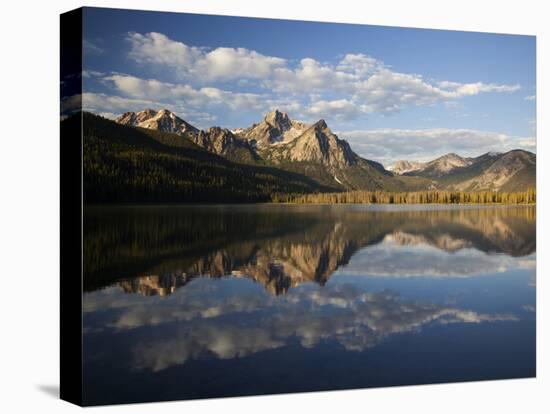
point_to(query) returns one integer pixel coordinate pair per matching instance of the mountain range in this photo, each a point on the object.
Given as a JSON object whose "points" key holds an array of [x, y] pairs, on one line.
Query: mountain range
{"points": [[155, 156], [314, 151]]}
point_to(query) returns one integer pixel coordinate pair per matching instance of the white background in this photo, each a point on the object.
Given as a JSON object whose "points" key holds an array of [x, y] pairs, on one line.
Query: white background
{"points": [[29, 207]]}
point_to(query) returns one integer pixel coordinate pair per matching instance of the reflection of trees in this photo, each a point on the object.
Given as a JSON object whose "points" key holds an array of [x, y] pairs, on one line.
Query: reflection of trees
{"points": [[278, 246]]}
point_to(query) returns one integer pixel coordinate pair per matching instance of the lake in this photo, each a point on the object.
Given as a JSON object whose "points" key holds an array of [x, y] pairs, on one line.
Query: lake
{"points": [[185, 302]]}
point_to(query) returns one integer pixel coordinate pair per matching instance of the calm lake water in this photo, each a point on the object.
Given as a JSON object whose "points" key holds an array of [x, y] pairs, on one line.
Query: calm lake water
{"points": [[208, 301]]}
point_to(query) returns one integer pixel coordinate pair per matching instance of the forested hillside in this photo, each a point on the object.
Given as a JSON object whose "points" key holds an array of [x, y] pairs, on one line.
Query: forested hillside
{"points": [[125, 164]]}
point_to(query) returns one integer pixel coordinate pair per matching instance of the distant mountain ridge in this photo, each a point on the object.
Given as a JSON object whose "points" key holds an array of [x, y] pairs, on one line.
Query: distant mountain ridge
{"points": [[514, 170]]}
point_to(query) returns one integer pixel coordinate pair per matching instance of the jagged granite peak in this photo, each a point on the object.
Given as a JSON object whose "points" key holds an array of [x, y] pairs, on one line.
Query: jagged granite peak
{"points": [[275, 128], [316, 144], [320, 124], [218, 140], [162, 120], [134, 118]]}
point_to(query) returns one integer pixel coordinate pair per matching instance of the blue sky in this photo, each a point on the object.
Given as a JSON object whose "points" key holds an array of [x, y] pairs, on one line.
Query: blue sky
{"points": [[393, 93]]}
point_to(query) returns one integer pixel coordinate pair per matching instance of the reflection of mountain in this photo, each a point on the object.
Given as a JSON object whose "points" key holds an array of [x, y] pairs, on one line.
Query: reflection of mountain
{"points": [[155, 250], [155, 285]]}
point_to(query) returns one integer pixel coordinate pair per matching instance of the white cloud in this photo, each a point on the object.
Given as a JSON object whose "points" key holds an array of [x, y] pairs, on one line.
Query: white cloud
{"points": [[90, 47], [389, 145], [202, 97], [310, 76], [112, 106], [366, 83], [100, 102], [469, 89], [222, 63], [387, 91], [359, 64], [338, 109], [92, 74], [159, 49], [531, 98]]}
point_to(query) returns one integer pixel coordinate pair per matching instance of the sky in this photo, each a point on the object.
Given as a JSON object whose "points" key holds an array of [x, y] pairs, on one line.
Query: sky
{"points": [[392, 93]]}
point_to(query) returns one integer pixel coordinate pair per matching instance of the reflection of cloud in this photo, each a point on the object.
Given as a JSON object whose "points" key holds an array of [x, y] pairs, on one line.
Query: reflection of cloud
{"points": [[346, 314], [190, 303], [225, 342], [527, 263], [444, 241], [407, 256]]}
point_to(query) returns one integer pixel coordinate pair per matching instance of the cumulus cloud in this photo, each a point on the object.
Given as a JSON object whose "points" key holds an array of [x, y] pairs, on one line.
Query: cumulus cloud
{"points": [[222, 63], [338, 109], [90, 47], [112, 106], [201, 97], [390, 145], [359, 64], [192, 103], [365, 83]]}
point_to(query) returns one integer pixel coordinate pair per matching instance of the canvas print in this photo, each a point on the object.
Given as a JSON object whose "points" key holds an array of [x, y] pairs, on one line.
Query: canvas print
{"points": [[275, 206]]}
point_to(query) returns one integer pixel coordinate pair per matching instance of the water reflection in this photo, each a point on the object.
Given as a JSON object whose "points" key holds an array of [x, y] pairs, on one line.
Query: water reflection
{"points": [[191, 302], [153, 251], [344, 313]]}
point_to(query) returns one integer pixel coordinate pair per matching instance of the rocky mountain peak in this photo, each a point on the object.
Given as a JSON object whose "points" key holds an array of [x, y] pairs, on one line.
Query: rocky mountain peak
{"points": [[278, 119], [320, 124], [276, 127], [163, 120], [451, 156], [166, 112], [316, 144]]}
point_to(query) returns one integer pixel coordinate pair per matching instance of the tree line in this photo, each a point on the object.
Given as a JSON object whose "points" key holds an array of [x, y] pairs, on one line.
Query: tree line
{"points": [[415, 197]]}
